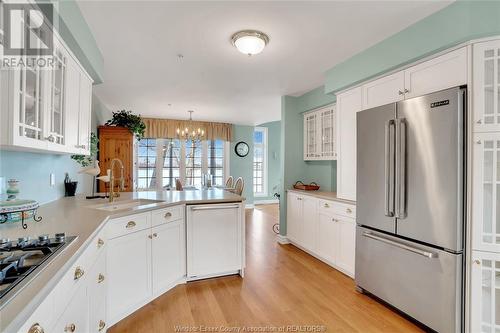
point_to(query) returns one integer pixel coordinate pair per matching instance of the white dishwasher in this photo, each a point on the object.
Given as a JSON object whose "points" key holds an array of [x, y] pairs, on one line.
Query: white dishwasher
{"points": [[215, 240]]}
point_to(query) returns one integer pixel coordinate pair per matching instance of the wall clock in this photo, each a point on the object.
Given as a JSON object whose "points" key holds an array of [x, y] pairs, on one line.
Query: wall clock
{"points": [[241, 149]]}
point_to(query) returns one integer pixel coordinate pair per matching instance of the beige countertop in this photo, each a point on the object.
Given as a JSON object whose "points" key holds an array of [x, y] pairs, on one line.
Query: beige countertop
{"points": [[323, 195], [76, 217]]}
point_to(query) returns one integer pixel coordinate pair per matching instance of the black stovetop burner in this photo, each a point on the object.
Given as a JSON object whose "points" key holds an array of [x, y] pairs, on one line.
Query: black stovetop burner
{"points": [[20, 258]]}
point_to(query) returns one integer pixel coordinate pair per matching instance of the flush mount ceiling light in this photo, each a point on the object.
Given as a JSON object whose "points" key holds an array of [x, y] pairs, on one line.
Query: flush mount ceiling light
{"points": [[250, 42]]}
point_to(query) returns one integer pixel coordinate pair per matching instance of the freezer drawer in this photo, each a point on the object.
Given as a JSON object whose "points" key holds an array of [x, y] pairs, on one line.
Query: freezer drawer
{"points": [[423, 282]]}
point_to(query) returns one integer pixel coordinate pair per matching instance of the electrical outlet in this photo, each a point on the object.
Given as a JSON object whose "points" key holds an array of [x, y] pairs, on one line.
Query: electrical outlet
{"points": [[52, 179]]}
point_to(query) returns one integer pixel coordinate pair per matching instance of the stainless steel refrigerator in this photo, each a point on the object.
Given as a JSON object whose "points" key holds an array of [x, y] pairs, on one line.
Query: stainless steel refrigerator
{"points": [[410, 206]]}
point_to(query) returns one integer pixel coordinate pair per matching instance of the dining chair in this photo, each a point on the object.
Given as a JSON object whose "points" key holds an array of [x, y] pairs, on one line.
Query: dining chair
{"points": [[239, 186], [178, 185], [229, 182]]}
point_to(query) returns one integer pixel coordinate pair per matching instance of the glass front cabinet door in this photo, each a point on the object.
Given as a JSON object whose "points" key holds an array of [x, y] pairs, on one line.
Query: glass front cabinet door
{"points": [[486, 86], [485, 301], [311, 136], [328, 145], [486, 192]]}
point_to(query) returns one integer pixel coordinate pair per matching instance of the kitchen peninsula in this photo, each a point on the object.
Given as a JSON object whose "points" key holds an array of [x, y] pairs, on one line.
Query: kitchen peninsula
{"points": [[125, 254]]}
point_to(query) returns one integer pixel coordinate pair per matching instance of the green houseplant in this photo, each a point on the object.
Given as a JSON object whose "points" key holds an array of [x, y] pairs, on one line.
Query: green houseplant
{"points": [[84, 160], [129, 120]]}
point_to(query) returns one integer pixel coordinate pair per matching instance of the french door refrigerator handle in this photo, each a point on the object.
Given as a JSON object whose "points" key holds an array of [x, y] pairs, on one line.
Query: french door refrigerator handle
{"points": [[389, 161], [424, 253], [400, 184]]}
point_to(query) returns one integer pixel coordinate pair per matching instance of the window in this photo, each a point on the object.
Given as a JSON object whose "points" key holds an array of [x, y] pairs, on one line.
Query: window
{"points": [[193, 163], [161, 161], [260, 161], [171, 149], [146, 164], [216, 161]]}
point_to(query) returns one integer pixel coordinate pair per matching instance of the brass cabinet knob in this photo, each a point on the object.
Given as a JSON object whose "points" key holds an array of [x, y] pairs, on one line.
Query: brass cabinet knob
{"points": [[150, 236], [400, 92], [406, 91], [102, 324], [348, 210], [477, 262], [79, 272], [100, 242], [479, 121], [36, 328], [326, 205], [155, 235], [70, 328], [100, 278], [168, 214], [130, 224]]}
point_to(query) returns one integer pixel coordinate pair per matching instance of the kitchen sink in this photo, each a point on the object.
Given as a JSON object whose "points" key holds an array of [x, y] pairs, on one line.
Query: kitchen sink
{"points": [[129, 204]]}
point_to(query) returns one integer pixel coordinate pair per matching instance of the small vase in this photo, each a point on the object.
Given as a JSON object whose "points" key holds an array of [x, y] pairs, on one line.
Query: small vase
{"points": [[12, 190]]}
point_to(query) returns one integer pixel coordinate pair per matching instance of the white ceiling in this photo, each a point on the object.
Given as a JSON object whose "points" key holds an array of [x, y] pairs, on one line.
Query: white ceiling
{"points": [[141, 42]]}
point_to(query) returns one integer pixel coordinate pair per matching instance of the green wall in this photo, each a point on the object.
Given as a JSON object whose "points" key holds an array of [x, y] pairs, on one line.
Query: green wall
{"points": [[459, 22], [243, 166], [293, 166], [75, 32], [273, 159]]}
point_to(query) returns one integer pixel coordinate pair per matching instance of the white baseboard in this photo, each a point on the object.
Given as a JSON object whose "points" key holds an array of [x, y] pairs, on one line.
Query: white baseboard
{"points": [[282, 239], [266, 202], [249, 206]]}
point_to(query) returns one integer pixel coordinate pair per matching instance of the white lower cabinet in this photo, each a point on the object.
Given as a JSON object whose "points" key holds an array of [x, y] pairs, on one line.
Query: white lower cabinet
{"points": [[76, 315], [294, 216], [346, 244], [485, 300], [324, 228], [327, 245], [168, 255], [129, 273]]}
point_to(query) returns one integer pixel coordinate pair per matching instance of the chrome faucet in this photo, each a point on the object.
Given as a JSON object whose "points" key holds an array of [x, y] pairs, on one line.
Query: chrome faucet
{"points": [[112, 193]]}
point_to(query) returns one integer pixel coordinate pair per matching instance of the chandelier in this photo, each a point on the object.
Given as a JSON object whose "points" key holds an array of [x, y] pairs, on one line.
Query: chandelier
{"points": [[190, 132]]}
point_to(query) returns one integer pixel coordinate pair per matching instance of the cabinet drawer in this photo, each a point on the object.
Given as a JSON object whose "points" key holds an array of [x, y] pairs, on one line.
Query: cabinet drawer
{"points": [[125, 225], [169, 214], [336, 208]]}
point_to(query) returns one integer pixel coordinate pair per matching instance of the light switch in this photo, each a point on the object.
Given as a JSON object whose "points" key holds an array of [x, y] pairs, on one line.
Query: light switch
{"points": [[52, 179]]}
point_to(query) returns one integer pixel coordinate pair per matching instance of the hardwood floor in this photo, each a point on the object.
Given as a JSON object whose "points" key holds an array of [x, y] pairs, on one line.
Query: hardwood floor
{"points": [[282, 286]]}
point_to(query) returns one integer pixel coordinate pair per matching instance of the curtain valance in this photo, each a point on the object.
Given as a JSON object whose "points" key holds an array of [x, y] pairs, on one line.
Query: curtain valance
{"points": [[167, 128]]}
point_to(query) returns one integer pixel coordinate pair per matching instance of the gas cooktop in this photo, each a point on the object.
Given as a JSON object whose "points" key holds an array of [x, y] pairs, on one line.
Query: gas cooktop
{"points": [[20, 258]]}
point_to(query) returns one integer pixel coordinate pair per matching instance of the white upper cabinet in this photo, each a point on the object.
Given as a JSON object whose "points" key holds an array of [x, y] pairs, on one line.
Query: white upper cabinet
{"points": [[442, 72], [311, 150], [348, 103], [486, 192], [486, 86], [446, 71], [46, 109], [319, 134], [383, 91]]}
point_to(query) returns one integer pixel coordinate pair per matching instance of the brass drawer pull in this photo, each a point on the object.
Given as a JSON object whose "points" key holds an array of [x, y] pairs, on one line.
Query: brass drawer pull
{"points": [[70, 328], [131, 224], [36, 328], [102, 324], [100, 278], [100, 242], [79, 273], [326, 205], [168, 214]]}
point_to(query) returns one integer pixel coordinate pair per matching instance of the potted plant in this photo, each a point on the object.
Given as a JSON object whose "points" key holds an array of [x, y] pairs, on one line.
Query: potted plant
{"points": [[128, 120]]}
